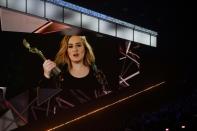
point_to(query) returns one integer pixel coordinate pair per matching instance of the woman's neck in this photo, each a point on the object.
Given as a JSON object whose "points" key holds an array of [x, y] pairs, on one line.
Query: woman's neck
{"points": [[79, 70], [77, 66]]}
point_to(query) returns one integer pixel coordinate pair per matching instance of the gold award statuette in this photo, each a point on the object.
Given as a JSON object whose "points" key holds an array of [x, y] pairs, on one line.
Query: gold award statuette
{"points": [[55, 71]]}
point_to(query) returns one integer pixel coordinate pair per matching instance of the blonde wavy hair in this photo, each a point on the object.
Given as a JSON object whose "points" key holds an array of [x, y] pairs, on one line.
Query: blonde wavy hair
{"points": [[62, 57]]}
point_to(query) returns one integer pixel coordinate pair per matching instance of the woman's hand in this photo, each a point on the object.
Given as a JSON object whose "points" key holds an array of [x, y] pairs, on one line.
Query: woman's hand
{"points": [[48, 65]]}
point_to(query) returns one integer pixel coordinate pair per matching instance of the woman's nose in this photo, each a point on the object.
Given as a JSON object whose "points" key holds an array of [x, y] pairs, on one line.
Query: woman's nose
{"points": [[75, 48]]}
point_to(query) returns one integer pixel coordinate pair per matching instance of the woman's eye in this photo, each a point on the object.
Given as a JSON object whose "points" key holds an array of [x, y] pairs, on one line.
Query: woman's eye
{"points": [[70, 46], [79, 45]]}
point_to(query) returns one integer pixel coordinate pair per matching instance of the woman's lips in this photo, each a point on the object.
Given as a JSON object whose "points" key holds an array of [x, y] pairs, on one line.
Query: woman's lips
{"points": [[76, 55]]}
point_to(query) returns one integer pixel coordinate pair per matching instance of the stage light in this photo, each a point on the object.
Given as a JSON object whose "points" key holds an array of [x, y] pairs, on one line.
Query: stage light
{"points": [[183, 126], [19, 5], [35, 7], [54, 12]]}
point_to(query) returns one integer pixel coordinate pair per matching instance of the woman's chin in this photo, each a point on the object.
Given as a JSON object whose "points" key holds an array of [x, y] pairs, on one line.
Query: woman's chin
{"points": [[76, 61]]}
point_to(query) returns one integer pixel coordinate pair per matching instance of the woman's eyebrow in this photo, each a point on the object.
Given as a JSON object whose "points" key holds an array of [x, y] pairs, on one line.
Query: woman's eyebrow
{"points": [[74, 43], [78, 43]]}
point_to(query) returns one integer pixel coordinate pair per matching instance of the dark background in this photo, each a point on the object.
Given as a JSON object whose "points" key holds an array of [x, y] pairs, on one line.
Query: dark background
{"points": [[173, 60]]}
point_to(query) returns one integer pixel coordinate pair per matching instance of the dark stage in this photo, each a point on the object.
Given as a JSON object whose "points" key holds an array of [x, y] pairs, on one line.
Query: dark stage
{"points": [[153, 88]]}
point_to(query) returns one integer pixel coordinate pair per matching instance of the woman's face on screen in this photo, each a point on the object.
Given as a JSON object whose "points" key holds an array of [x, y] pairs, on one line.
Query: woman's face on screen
{"points": [[76, 49]]}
